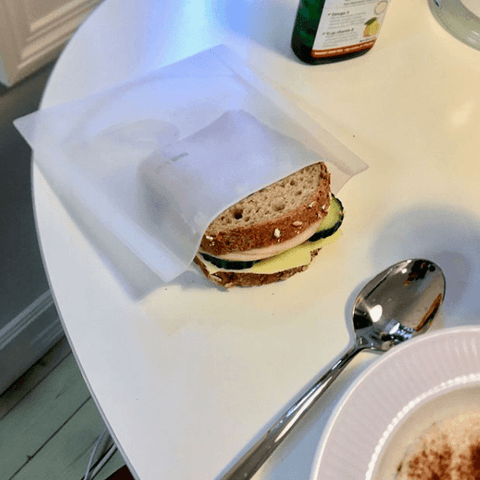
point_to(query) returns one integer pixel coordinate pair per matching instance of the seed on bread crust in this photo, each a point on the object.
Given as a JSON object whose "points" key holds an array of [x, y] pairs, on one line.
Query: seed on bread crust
{"points": [[277, 233], [297, 223]]}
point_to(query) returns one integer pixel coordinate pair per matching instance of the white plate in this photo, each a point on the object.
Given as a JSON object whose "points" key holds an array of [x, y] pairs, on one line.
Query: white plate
{"points": [[420, 380]]}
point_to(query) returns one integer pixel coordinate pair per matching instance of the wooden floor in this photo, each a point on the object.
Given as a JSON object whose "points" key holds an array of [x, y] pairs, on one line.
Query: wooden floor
{"points": [[49, 423]]}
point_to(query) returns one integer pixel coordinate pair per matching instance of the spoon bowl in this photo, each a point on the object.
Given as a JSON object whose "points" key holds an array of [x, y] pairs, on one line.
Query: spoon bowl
{"points": [[398, 304]]}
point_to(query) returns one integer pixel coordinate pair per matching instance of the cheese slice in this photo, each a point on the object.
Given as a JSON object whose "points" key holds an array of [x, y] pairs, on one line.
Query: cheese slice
{"points": [[295, 257]]}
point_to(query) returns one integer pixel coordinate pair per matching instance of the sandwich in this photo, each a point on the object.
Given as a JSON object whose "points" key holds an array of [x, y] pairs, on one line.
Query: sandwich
{"points": [[273, 233]]}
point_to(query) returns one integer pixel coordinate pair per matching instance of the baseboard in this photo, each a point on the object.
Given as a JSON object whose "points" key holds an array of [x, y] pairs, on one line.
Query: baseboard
{"points": [[27, 337]]}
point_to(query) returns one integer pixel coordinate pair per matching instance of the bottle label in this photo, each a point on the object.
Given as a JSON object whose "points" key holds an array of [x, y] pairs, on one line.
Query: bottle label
{"points": [[348, 26]]}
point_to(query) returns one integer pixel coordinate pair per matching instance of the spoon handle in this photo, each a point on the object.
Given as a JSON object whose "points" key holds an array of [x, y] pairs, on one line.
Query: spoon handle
{"points": [[254, 458]]}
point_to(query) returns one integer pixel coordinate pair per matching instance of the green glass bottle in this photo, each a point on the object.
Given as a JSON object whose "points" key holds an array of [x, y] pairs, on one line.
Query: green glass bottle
{"points": [[327, 31]]}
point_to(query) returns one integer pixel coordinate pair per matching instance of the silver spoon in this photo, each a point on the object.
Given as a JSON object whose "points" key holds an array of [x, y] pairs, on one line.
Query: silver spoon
{"points": [[398, 304]]}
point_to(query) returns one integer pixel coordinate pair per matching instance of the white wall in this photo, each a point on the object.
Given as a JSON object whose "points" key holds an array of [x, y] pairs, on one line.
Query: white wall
{"points": [[33, 32]]}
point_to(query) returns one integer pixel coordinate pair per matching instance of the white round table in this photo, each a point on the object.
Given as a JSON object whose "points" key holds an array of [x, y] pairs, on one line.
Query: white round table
{"points": [[186, 376]]}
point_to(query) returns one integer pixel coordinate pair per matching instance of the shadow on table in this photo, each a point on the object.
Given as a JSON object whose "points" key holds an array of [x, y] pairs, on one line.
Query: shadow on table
{"points": [[137, 279], [295, 456], [446, 235]]}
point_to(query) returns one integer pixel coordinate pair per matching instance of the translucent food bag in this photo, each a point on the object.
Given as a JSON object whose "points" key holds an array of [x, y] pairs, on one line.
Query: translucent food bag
{"points": [[157, 159]]}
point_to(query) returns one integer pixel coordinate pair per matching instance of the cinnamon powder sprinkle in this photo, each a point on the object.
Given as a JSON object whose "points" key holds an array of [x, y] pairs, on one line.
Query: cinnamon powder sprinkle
{"points": [[446, 451], [433, 463]]}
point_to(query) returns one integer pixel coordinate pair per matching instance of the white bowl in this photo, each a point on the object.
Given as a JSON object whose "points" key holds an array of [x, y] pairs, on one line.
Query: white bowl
{"points": [[423, 381]]}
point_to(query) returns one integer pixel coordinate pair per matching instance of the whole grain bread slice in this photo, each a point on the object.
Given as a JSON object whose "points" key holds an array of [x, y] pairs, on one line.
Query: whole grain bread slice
{"points": [[274, 214], [229, 279]]}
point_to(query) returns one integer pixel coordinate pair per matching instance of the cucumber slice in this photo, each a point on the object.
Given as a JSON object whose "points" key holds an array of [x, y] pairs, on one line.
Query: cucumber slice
{"points": [[228, 264], [331, 223]]}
